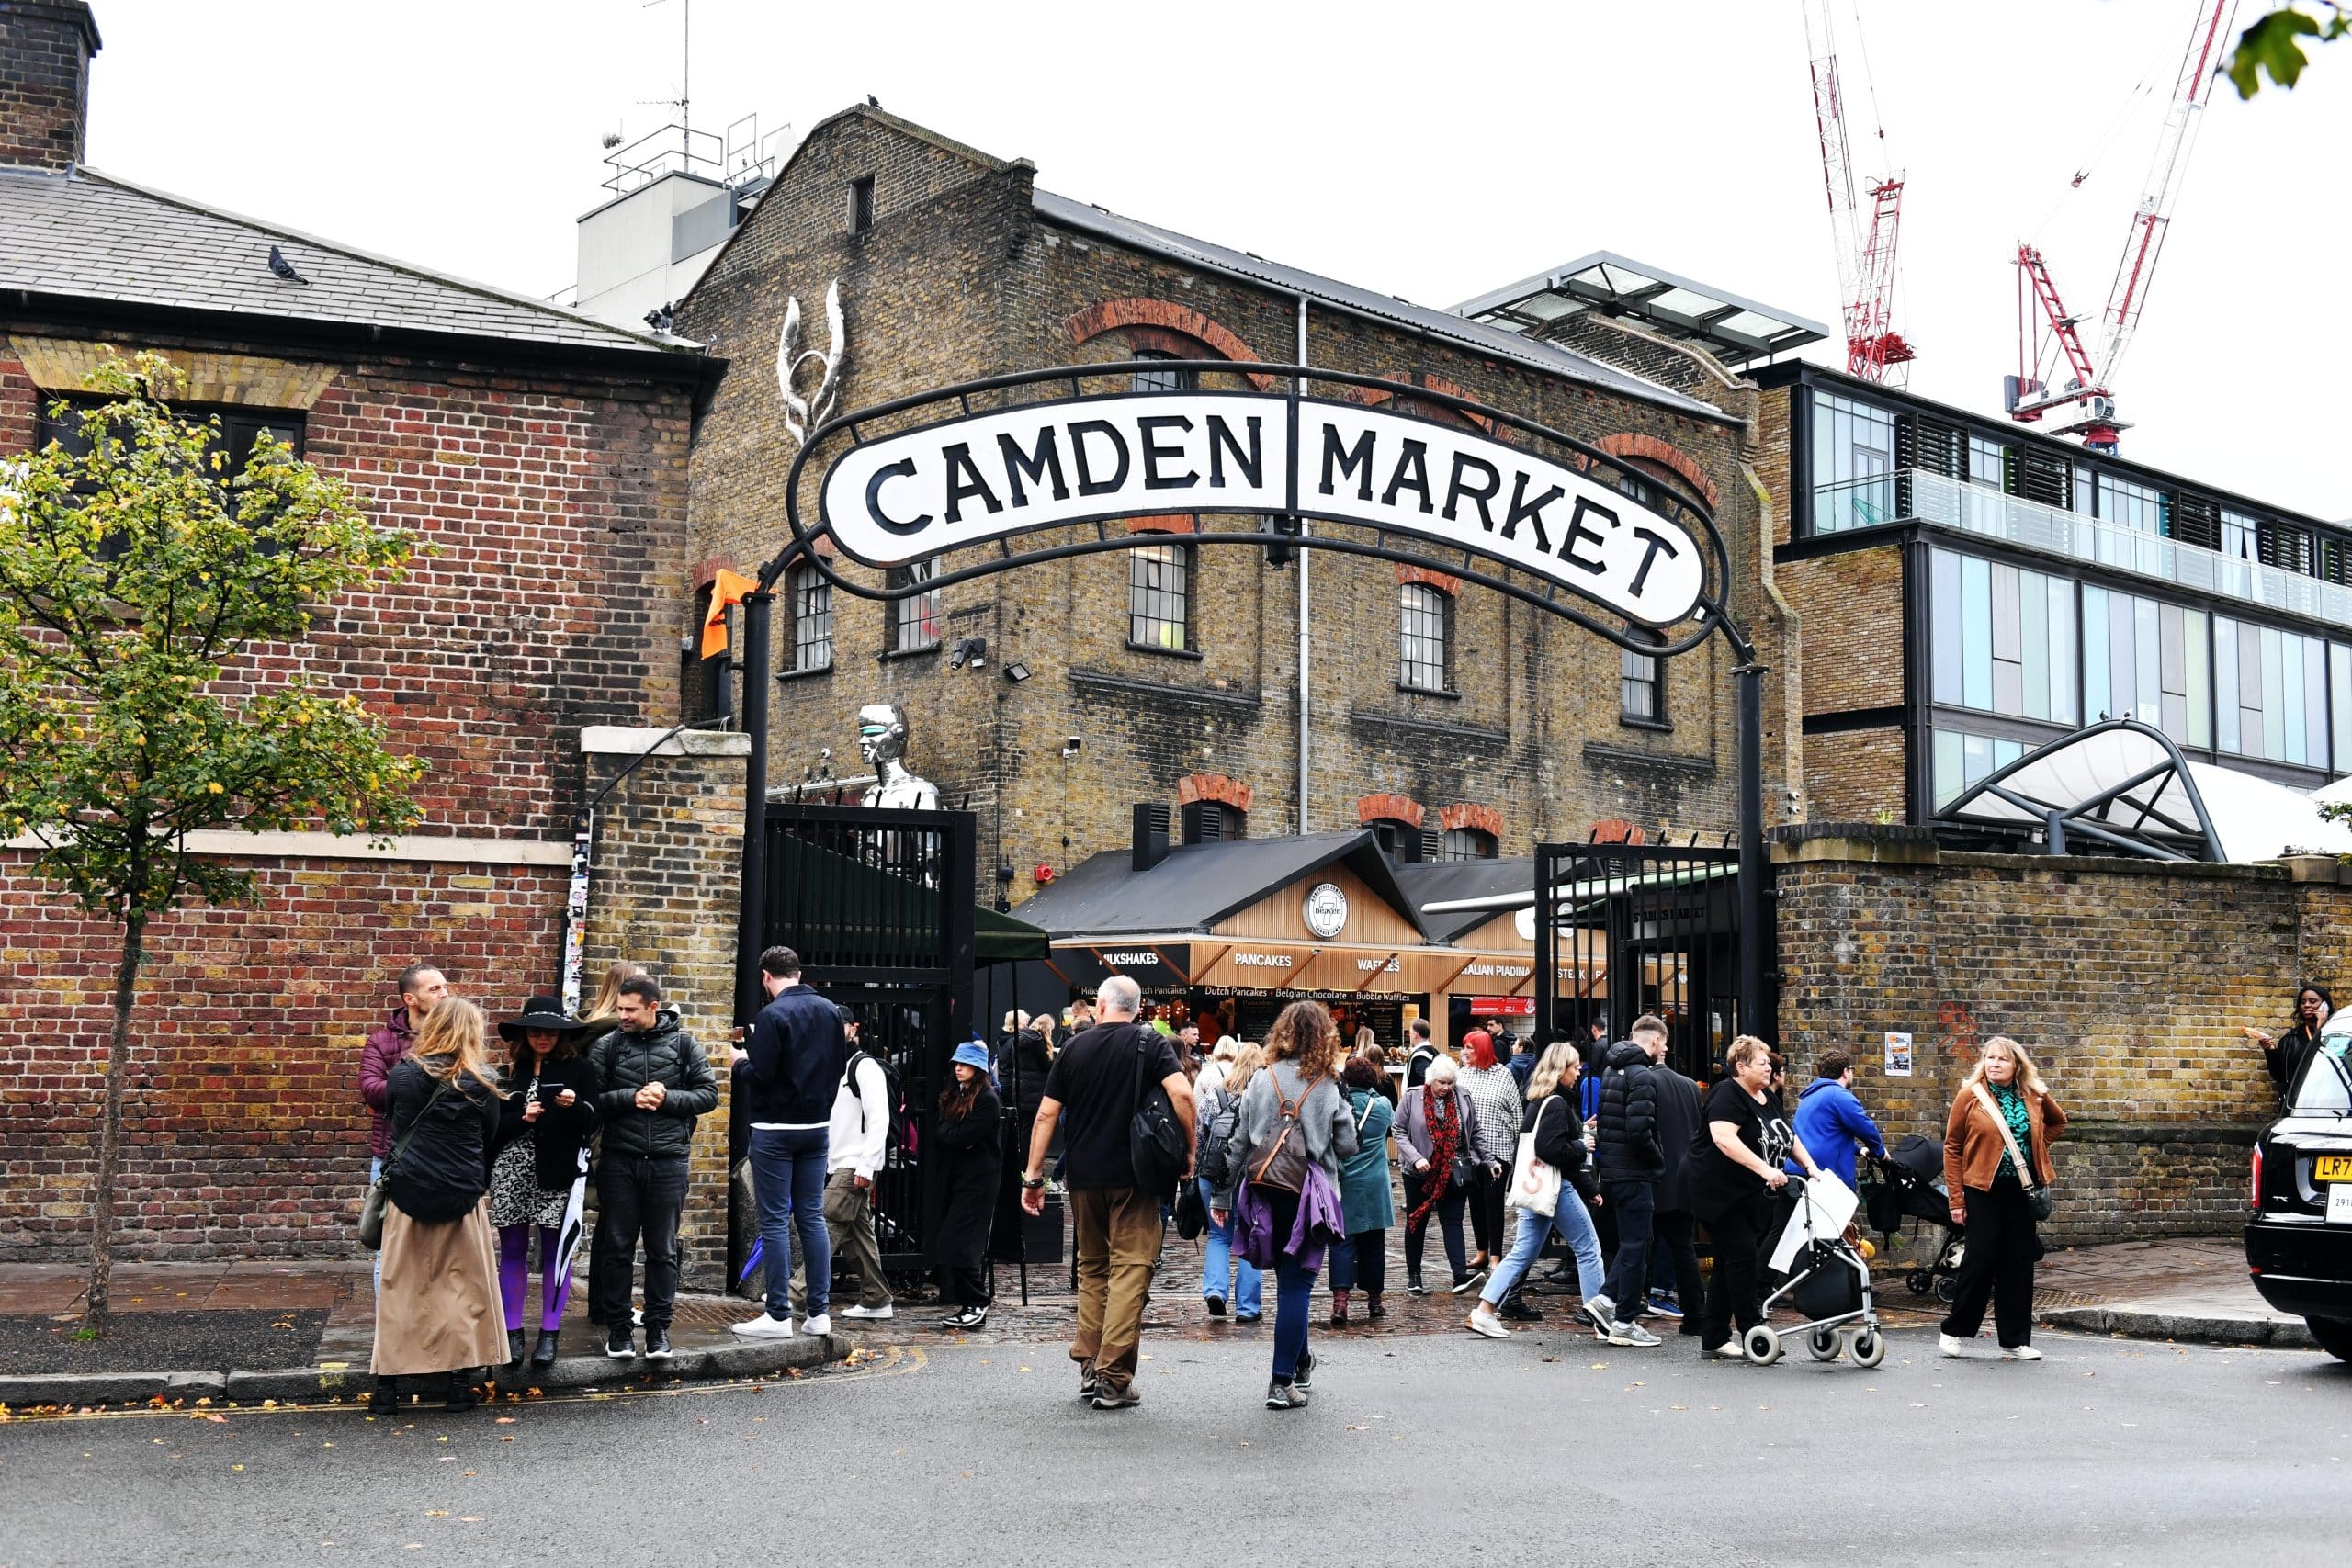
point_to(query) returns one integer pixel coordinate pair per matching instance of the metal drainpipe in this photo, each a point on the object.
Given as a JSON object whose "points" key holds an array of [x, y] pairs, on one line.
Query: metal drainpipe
{"points": [[1306, 654]]}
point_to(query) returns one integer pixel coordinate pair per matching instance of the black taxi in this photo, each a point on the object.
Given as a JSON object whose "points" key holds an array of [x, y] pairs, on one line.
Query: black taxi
{"points": [[2298, 1239]]}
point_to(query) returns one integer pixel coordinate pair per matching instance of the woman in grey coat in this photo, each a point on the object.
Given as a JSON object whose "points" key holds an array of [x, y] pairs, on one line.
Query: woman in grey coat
{"points": [[1437, 1136], [1294, 1129]]}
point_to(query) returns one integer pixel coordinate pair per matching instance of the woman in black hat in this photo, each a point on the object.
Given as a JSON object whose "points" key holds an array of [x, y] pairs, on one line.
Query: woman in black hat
{"points": [[538, 1163]]}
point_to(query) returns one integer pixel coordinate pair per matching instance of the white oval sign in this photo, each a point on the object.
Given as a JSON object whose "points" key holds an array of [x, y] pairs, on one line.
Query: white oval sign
{"points": [[1326, 910], [922, 492]]}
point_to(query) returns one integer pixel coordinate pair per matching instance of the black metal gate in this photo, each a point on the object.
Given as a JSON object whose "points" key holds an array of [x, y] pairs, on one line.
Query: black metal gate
{"points": [[1638, 929], [878, 905]]}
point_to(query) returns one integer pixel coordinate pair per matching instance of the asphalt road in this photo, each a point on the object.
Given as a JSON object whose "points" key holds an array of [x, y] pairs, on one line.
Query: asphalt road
{"points": [[1545, 1449]]}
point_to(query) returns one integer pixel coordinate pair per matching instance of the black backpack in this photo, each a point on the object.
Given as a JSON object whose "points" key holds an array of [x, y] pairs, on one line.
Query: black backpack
{"points": [[1216, 1165], [899, 1139], [1155, 1137]]}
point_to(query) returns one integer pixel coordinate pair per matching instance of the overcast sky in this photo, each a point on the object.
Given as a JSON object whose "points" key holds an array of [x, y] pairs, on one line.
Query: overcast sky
{"points": [[1432, 151]]}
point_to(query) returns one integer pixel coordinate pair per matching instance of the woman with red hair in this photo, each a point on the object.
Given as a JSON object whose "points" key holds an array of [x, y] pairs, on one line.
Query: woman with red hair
{"points": [[1493, 1089]]}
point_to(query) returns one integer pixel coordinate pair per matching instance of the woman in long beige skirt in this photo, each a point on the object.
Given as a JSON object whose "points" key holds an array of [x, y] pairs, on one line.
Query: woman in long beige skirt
{"points": [[438, 1314]]}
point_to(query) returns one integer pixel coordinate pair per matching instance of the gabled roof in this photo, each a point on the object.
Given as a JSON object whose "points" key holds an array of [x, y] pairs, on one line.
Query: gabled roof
{"points": [[1419, 320], [1199, 885], [86, 235], [1432, 882]]}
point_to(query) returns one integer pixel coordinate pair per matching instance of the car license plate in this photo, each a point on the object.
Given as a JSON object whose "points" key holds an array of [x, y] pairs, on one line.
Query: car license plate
{"points": [[2331, 1167], [2339, 1204]]}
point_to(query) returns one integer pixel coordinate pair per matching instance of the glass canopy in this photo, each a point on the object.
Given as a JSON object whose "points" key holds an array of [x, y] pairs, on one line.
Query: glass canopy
{"points": [[1735, 330]]}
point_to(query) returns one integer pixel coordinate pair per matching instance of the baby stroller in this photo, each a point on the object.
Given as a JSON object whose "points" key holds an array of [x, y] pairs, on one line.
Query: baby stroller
{"points": [[1830, 1283], [1911, 1187]]}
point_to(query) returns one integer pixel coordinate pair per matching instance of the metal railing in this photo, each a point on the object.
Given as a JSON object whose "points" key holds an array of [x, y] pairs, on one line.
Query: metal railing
{"points": [[1907, 495]]}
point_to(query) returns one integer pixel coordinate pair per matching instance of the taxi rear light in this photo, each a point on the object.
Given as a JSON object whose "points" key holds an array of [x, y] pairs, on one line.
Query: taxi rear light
{"points": [[2257, 1179]]}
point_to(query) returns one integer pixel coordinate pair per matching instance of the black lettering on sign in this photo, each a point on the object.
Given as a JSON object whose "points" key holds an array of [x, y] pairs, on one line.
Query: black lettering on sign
{"points": [[1530, 512], [903, 469], [1658, 544], [1087, 483], [1350, 458], [1154, 454], [1580, 531], [1455, 489], [1412, 473], [1221, 441], [964, 483], [1036, 463]]}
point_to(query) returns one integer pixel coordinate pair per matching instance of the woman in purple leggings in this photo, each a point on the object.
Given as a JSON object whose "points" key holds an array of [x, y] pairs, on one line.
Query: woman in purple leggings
{"points": [[538, 1163]]}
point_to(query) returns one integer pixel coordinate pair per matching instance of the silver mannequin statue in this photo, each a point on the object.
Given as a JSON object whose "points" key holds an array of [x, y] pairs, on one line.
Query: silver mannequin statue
{"points": [[882, 741]]}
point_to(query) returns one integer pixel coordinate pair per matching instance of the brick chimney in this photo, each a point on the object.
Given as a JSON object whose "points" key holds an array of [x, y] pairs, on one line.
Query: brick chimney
{"points": [[45, 49]]}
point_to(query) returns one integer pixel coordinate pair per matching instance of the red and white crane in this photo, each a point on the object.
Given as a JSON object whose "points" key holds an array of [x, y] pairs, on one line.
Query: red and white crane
{"points": [[2047, 332], [1875, 349]]}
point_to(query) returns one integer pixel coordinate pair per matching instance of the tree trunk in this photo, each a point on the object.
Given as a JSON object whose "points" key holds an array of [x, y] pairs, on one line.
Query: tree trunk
{"points": [[126, 983]]}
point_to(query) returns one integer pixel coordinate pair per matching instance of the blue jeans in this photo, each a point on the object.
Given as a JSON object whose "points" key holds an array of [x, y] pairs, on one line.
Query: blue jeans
{"points": [[1222, 1271], [789, 1178], [1573, 1223], [1293, 1292]]}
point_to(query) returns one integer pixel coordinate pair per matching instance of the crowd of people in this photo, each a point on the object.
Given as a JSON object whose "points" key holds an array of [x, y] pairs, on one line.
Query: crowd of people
{"points": [[1305, 1153]]}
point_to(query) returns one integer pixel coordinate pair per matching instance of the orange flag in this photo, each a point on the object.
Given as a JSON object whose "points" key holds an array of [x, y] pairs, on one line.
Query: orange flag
{"points": [[727, 588]]}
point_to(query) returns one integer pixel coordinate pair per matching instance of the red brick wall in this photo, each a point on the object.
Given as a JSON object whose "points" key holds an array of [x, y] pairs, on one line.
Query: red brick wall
{"points": [[556, 508], [44, 82]]}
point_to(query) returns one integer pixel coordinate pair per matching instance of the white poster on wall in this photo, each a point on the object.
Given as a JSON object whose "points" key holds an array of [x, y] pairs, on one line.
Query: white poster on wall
{"points": [[1898, 1056]]}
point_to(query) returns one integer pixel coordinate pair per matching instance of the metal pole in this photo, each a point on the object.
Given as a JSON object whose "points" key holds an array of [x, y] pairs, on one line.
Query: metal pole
{"points": [[1759, 960], [1305, 556], [751, 904]]}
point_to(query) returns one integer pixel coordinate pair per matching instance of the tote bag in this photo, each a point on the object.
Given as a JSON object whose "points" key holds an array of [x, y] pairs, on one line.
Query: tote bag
{"points": [[1534, 1183]]}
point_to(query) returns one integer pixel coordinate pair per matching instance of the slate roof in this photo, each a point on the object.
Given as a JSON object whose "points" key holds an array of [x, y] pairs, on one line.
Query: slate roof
{"points": [[1199, 885], [87, 235], [1436, 882], [1421, 320]]}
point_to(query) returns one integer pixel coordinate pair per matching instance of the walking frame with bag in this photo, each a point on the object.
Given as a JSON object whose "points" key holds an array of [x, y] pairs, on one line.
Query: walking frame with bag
{"points": [[2036, 1196], [1534, 1182], [371, 1211], [1156, 1140]]}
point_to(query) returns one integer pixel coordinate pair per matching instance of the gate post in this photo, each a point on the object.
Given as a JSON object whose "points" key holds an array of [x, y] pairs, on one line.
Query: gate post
{"points": [[1758, 948], [751, 909]]}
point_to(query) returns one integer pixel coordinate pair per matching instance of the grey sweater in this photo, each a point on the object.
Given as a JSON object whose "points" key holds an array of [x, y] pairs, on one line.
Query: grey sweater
{"points": [[1329, 1125]]}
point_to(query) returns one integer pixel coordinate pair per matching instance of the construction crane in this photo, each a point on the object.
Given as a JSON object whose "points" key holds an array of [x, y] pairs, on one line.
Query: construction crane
{"points": [[1875, 349], [2047, 330]]}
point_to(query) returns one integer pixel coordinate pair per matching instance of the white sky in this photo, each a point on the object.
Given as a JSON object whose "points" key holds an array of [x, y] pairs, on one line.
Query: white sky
{"points": [[1432, 152]]}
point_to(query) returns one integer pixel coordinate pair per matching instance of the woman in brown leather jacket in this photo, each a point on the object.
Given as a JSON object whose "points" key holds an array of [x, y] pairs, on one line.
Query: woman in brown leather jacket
{"points": [[1990, 1199]]}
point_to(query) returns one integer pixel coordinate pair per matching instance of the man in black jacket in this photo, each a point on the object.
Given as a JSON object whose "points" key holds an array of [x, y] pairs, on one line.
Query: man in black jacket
{"points": [[1678, 1125], [656, 1084], [794, 1066], [1631, 1160]]}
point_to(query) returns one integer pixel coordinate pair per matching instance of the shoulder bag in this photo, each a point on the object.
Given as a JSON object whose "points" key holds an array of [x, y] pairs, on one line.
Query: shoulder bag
{"points": [[1534, 1182], [1284, 1165], [2036, 1196], [371, 1209], [1156, 1140]]}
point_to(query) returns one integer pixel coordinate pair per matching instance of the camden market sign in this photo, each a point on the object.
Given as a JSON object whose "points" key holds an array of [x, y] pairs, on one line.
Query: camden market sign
{"points": [[922, 492]]}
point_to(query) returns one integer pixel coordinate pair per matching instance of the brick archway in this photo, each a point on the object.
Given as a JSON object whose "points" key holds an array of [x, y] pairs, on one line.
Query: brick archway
{"points": [[1195, 335], [1195, 787], [1403, 808], [1665, 454]]}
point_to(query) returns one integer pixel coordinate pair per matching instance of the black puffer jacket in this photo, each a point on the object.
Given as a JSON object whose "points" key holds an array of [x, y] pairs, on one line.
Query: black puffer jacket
{"points": [[444, 1172], [625, 1062], [1627, 1147], [1026, 1049]]}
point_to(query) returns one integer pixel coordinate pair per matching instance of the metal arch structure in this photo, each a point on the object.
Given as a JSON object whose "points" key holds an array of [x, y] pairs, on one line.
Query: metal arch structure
{"points": [[1709, 609], [2118, 813]]}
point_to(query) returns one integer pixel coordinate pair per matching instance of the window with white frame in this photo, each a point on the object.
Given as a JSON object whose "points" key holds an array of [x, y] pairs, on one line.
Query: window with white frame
{"points": [[1427, 624], [914, 620], [1641, 685], [1176, 378], [808, 599], [1160, 597]]}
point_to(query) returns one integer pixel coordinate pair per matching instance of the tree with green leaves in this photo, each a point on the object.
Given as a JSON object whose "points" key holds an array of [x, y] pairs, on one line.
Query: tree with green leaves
{"points": [[2274, 44], [140, 573]]}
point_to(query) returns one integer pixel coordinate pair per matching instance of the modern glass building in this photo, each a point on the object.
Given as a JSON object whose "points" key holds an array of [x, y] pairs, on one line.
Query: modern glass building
{"points": [[1968, 589]]}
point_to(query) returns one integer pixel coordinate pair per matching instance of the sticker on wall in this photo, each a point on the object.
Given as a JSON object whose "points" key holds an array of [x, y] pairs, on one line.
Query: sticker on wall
{"points": [[1898, 1056]]}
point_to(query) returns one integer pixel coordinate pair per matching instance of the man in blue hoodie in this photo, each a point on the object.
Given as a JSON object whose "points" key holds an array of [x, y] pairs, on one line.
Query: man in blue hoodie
{"points": [[792, 1066], [1830, 1122]]}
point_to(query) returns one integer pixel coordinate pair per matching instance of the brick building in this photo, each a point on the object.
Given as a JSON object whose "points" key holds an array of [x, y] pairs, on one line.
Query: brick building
{"points": [[542, 457], [1452, 721]]}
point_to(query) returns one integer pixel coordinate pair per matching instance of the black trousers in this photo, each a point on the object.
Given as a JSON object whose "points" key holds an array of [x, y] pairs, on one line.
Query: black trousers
{"points": [[1447, 1211], [1671, 1227], [963, 1283], [1732, 1298], [1486, 1199], [1629, 1271], [2003, 1246], [637, 1196]]}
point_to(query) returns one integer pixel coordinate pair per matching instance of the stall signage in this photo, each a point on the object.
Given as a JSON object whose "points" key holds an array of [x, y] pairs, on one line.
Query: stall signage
{"points": [[917, 493], [1498, 969], [1325, 910]]}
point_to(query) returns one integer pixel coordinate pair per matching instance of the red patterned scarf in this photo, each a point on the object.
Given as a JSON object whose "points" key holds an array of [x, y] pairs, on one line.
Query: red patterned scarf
{"points": [[1444, 1118]]}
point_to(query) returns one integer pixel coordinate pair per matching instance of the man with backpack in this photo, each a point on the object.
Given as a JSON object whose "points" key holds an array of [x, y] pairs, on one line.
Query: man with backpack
{"points": [[1630, 1159], [1099, 1082], [794, 1067], [1424, 1052]]}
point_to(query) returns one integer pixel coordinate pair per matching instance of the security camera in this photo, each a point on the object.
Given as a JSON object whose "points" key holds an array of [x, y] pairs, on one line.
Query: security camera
{"points": [[1070, 747]]}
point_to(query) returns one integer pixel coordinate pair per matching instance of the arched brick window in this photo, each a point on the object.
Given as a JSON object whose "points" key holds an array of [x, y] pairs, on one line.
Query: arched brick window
{"points": [[1470, 832]]}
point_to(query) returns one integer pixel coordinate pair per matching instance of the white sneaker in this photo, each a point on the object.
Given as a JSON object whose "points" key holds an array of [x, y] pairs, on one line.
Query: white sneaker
{"points": [[1950, 1345], [822, 1323], [1600, 1312], [2022, 1353], [765, 1327], [1630, 1334], [1487, 1323], [878, 1315], [1729, 1351]]}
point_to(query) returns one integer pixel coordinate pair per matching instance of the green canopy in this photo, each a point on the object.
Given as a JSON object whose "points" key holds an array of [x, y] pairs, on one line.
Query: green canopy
{"points": [[1000, 939]]}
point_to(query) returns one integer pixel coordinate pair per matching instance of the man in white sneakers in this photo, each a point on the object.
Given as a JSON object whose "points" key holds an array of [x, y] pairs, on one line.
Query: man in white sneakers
{"points": [[859, 1139], [788, 1080]]}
